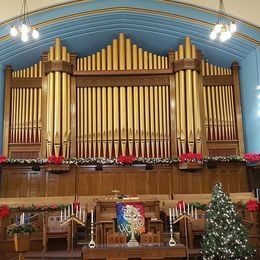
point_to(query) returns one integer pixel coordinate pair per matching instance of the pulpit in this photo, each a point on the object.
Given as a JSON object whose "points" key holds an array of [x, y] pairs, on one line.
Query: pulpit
{"points": [[106, 217]]}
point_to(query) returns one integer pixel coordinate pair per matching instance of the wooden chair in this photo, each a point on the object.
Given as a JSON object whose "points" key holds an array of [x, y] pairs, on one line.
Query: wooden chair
{"points": [[150, 238], [196, 227], [52, 228], [116, 238]]}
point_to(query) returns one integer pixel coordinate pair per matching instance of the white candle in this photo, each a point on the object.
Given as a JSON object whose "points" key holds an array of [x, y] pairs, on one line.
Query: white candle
{"points": [[65, 214], [184, 209], [80, 213], [196, 213], [77, 210], [72, 212], [68, 211], [180, 209], [192, 211], [176, 210], [23, 218], [170, 214], [83, 216], [92, 216], [173, 213], [188, 209], [61, 215]]}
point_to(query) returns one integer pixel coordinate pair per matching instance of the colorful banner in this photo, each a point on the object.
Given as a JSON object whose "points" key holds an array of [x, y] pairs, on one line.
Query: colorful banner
{"points": [[127, 211]]}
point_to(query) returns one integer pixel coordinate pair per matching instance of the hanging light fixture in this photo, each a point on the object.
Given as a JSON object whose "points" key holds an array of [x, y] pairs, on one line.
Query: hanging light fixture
{"points": [[224, 28], [24, 29]]}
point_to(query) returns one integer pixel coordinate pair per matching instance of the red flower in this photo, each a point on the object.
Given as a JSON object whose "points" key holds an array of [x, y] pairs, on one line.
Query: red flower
{"points": [[252, 206], [3, 159], [55, 159], [4, 211], [252, 157], [191, 157], [76, 204], [126, 159]]}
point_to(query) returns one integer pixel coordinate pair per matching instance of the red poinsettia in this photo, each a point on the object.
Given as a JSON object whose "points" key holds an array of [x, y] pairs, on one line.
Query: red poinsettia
{"points": [[126, 159], [4, 211], [191, 157], [252, 206], [252, 157], [3, 159], [55, 159]]}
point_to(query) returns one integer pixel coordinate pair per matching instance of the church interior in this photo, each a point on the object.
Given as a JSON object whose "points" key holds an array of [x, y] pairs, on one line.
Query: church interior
{"points": [[129, 129]]}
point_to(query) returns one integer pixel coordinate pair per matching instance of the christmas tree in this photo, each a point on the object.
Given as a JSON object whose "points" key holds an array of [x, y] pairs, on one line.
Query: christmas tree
{"points": [[225, 236]]}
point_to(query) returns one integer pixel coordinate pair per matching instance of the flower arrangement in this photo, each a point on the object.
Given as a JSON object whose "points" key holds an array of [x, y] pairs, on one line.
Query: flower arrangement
{"points": [[55, 159], [252, 157], [3, 159], [126, 159], [4, 211], [20, 229], [191, 157], [252, 206], [37, 208]]}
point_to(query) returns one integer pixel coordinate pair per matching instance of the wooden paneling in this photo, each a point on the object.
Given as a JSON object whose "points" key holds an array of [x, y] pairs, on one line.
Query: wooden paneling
{"points": [[131, 180]]}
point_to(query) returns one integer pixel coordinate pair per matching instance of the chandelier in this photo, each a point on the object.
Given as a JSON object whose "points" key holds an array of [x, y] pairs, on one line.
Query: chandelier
{"points": [[24, 29], [224, 28]]}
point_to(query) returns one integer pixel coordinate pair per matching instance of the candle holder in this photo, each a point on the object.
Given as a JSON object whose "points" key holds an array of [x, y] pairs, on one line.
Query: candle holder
{"points": [[72, 216], [92, 243], [172, 242]]}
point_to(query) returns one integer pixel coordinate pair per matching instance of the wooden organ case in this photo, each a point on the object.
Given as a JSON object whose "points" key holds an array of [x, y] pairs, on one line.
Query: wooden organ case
{"points": [[122, 100]]}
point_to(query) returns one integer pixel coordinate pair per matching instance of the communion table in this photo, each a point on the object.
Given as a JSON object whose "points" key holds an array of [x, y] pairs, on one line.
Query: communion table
{"points": [[142, 252]]}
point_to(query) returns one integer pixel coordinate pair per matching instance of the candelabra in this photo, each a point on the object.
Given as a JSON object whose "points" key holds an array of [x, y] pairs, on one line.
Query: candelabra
{"points": [[71, 215]]}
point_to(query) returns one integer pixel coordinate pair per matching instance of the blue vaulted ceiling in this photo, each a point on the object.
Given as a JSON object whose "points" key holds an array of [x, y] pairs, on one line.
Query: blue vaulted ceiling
{"points": [[157, 26]]}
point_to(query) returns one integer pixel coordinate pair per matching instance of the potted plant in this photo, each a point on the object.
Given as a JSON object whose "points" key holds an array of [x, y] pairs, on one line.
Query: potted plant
{"points": [[22, 235]]}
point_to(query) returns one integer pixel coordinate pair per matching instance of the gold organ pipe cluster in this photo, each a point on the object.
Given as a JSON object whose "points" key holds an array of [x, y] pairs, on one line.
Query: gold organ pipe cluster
{"points": [[115, 120], [58, 109], [188, 122], [26, 112], [219, 106]]}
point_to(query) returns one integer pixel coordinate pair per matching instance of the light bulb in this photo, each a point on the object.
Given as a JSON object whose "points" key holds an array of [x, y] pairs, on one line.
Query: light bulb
{"points": [[213, 35], [228, 34], [223, 36], [218, 27], [24, 28], [233, 27], [13, 31], [35, 33], [24, 37]]}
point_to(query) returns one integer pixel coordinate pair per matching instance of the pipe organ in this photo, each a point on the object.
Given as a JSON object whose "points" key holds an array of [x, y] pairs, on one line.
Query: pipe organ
{"points": [[122, 100]]}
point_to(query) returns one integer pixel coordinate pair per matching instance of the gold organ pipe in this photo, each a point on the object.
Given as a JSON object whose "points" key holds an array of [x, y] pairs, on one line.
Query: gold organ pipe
{"points": [[85, 122], [36, 70], [168, 131], [115, 99], [64, 89], [57, 95], [228, 102], [78, 64], [90, 114], [182, 102], [23, 105], [104, 106], [35, 98], [85, 64], [130, 126], [217, 107], [20, 114], [99, 122], [40, 69], [196, 112], [221, 112], [81, 64], [210, 115], [189, 106], [178, 106], [17, 109], [14, 129], [39, 114], [68, 110], [122, 94], [213, 96], [161, 154], [233, 113], [205, 102], [110, 115], [94, 119], [12, 116], [78, 122], [89, 63], [153, 109], [224, 108], [27, 91], [141, 57], [31, 72], [165, 119], [136, 105], [147, 106], [81, 116]]}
